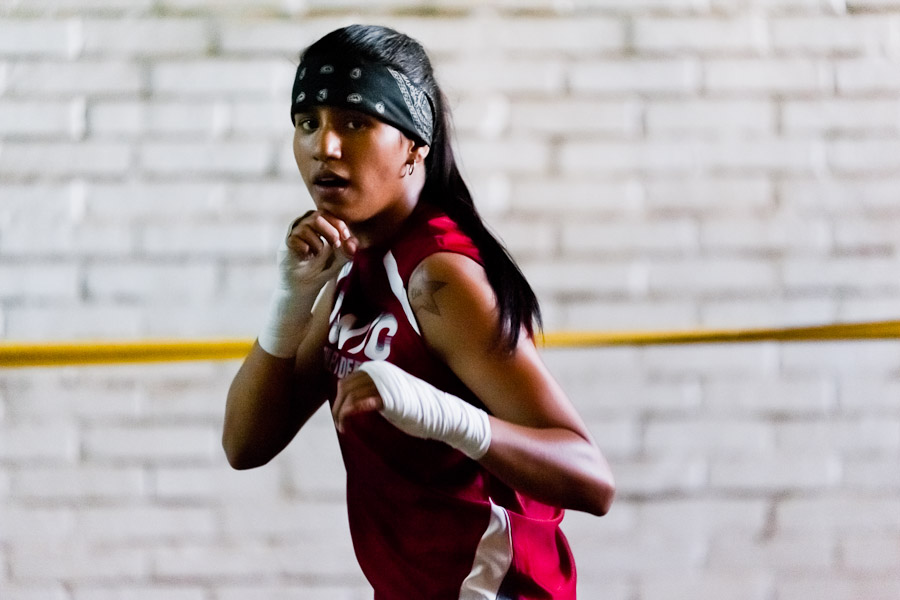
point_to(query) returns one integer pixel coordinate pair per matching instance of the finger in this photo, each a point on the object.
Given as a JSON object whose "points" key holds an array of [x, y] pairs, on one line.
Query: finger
{"points": [[330, 230], [338, 224], [306, 236], [356, 406]]}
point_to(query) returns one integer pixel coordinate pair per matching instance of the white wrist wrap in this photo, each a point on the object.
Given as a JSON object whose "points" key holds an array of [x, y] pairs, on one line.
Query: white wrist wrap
{"points": [[418, 408], [283, 330]]}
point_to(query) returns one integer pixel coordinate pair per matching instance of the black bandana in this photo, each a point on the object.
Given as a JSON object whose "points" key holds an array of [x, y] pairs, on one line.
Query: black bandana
{"points": [[374, 89]]}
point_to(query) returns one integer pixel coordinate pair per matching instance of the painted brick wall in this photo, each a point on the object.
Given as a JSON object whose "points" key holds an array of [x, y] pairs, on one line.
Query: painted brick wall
{"points": [[651, 163]]}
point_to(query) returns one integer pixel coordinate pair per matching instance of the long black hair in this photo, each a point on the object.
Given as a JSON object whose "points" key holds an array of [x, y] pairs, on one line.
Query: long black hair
{"points": [[444, 185]]}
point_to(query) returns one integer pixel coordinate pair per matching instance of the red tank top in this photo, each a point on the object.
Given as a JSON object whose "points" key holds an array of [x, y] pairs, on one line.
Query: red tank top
{"points": [[426, 521]]}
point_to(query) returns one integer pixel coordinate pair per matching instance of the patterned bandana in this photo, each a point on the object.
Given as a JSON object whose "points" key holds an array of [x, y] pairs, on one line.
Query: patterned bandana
{"points": [[374, 89]]}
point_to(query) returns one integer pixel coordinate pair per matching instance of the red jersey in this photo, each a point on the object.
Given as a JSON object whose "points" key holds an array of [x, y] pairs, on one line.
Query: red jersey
{"points": [[426, 521]]}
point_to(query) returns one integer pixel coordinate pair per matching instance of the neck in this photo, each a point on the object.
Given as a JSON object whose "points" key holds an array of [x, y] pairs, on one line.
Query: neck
{"points": [[385, 224]]}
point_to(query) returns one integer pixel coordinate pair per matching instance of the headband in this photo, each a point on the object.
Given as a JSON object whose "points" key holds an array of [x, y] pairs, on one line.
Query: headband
{"points": [[368, 87]]}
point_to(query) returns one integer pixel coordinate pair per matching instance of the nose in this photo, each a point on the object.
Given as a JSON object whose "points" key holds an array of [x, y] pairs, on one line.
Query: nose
{"points": [[327, 144]]}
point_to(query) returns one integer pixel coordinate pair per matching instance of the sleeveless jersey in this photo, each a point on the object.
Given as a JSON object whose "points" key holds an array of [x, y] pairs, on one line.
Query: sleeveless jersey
{"points": [[426, 521]]}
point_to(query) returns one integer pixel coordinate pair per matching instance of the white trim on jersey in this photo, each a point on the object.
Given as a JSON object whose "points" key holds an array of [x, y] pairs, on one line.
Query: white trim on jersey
{"points": [[393, 275], [492, 559]]}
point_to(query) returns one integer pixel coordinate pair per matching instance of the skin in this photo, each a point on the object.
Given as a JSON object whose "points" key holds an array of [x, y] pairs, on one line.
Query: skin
{"points": [[539, 444]]}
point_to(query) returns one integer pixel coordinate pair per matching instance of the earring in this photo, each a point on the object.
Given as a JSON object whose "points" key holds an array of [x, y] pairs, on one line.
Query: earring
{"points": [[410, 168]]}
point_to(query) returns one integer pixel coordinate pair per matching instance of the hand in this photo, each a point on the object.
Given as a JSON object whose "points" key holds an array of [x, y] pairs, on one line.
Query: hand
{"points": [[316, 247], [356, 394]]}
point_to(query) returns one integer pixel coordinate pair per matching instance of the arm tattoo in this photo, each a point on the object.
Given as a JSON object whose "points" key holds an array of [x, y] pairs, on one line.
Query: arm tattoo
{"points": [[421, 294]]}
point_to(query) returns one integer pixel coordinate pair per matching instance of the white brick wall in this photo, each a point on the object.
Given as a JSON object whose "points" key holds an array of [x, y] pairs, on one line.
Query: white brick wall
{"points": [[653, 164]]}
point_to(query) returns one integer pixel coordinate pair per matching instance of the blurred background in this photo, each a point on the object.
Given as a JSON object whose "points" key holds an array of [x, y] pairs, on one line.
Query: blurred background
{"points": [[652, 164]]}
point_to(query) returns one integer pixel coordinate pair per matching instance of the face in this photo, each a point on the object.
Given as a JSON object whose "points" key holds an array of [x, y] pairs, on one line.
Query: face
{"points": [[353, 164]]}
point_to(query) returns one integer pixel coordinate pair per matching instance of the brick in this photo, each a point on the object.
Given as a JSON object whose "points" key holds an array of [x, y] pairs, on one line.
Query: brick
{"points": [[709, 195], [839, 116], [722, 437], [854, 358], [871, 554], [765, 154], [707, 586], [260, 119], [349, 590], [38, 443], [37, 239], [512, 76], [628, 315], [774, 76], [217, 239], [781, 474], [640, 557], [49, 591], [542, 36], [672, 76], [330, 558], [145, 591], [139, 281], [854, 273], [767, 313], [79, 7], [60, 159], [806, 397], [510, 155], [534, 196], [34, 119], [710, 117], [146, 37], [577, 277], [231, 159], [702, 34], [321, 477], [209, 484], [288, 522], [151, 444], [214, 77], [842, 514], [859, 394], [657, 477], [841, 197], [671, 237], [858, 34], [864, 156], [244, 560], [153, 202], [77, 321], [39, 281], [525, 238], [35, 526], [265, 36], [225, 319], [712, 277], [858, 310], [834, 587], [866, 75], [773, 554], [700, 517], [854, 436], [858, 235], [94, 78], [135, 119], [579, 158], [759, 236], [575, 118], [77, 483], [76, 563], [41, 38], [144, 524]]}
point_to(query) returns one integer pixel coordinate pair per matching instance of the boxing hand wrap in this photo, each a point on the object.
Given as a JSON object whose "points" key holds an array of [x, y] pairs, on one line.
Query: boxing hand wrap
{"points": [[418, 408], [289, 308]]}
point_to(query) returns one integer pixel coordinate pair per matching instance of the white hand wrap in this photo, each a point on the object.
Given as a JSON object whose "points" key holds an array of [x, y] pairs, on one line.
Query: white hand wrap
{"points": [[418, 408], [289, 308]]}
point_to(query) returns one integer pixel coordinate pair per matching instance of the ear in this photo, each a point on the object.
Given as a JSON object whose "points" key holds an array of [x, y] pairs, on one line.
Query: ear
{"points": [[418, 152]]}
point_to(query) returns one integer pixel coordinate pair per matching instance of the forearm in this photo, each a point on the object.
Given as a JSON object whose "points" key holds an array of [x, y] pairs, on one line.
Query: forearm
{"points": [[552, 465], [265, 409]]}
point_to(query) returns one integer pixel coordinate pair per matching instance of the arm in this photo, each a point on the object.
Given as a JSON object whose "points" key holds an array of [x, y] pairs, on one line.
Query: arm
{"points": [[281, 384], [538, 443]]}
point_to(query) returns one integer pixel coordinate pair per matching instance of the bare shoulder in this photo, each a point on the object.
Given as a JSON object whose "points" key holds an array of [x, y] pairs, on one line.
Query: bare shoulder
{"points": [[452, 299]]}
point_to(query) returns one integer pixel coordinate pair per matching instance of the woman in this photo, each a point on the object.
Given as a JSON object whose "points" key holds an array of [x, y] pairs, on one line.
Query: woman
{"points": [[398, 307]]}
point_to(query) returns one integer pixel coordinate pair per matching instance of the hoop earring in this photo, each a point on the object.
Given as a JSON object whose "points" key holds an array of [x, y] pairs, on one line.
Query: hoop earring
{"points": [[410, 168]]}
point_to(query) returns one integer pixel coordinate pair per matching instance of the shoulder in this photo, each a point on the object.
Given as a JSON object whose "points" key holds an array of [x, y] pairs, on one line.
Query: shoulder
{"points": [[453, 301], [433, 232]]}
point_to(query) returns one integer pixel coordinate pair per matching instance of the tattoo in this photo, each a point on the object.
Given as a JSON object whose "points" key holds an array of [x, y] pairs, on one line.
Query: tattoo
{"points": [[421, 295]]}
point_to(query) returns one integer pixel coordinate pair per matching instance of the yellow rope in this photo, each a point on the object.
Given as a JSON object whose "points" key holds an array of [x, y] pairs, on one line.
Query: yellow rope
{"points": [[16, 354]]}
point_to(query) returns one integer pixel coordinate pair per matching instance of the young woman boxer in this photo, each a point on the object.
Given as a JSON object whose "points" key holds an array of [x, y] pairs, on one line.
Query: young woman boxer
{"points": [[396, 305]]}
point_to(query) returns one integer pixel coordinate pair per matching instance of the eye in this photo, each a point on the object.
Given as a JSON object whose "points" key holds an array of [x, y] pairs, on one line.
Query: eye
{"points": [[306, 123], [355, 124]]}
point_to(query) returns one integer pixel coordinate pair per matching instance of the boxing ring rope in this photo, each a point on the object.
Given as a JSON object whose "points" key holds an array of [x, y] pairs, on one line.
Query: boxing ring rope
{"points": [[43, 354]]}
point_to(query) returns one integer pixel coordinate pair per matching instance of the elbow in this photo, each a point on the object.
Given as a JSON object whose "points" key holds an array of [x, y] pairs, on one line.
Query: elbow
{"points": [[599, 499], [240, 455]]}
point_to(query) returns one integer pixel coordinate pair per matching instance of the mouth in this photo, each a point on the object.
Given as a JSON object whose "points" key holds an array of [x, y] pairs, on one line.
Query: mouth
{"points": [[330, 180]]}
